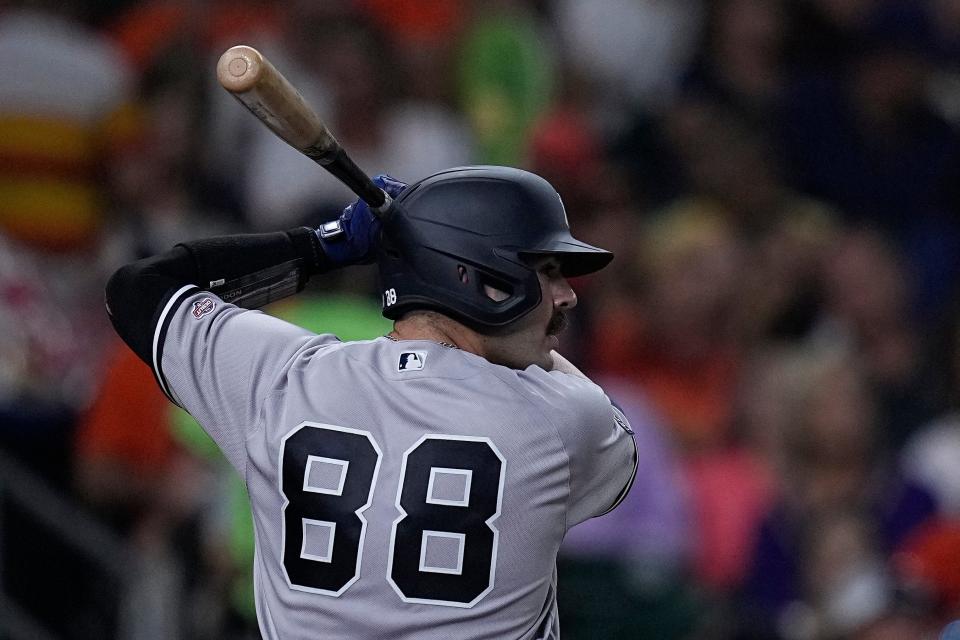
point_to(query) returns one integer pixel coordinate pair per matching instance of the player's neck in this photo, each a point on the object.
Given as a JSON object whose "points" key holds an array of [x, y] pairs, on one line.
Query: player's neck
{"points": [[428, 325]]}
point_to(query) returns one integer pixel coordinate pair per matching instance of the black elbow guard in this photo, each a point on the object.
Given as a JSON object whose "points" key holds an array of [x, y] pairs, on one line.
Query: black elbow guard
{"points": [[254, 270], [248, 270], [136, 292], [231, 257]]}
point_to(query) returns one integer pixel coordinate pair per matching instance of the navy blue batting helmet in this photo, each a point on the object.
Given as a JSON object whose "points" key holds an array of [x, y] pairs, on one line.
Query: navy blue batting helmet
{"points": [[452, 233]]}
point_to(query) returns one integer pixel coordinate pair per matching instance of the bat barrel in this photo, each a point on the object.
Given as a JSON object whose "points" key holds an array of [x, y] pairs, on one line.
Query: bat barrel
{"points": [[240, 68], [251, 79]]}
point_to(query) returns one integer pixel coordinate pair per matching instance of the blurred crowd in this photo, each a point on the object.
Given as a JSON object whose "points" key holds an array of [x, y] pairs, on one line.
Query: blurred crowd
{"points": [[780, 182]]}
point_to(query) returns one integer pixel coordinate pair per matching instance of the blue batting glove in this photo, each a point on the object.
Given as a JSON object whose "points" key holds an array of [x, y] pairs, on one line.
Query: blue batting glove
{"points": [[354, 236]]}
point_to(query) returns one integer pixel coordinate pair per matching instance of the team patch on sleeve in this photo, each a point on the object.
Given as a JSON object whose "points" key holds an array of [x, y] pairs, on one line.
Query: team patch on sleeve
{"points": [[202, 307]]}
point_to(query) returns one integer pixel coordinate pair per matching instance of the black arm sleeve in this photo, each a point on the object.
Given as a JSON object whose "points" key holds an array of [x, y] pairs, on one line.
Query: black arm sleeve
{"points": [[137, 292]]}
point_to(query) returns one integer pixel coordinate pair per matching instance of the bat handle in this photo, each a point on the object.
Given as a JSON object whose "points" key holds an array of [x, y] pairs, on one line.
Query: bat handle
{"points": [[381, 211], [346, 170]]}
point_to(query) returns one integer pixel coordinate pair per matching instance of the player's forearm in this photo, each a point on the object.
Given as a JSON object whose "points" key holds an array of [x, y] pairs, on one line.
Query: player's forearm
{"points": [[250, 267]]}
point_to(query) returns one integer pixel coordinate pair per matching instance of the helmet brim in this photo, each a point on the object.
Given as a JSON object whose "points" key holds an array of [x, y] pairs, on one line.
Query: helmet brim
{"points": [[576, 258]]}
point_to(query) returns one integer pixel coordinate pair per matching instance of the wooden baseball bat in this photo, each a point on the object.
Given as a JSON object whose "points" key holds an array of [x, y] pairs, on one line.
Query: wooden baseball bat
{"points": [[245, 73]]}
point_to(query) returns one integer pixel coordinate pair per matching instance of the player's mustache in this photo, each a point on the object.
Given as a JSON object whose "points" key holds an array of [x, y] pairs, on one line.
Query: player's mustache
{"points": [[557, 323]]}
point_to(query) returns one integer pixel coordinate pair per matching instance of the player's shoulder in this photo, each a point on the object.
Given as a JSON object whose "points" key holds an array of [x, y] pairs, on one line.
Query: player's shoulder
{"points": [[565, 397], [538, 380], [404, 360]]}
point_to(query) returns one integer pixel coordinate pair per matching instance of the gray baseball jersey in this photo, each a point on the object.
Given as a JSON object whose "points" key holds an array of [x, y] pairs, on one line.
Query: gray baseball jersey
{"points": [[400, 489]]}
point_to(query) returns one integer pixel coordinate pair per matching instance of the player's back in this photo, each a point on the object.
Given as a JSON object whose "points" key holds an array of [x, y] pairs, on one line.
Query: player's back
{"points": [[415, 490]]}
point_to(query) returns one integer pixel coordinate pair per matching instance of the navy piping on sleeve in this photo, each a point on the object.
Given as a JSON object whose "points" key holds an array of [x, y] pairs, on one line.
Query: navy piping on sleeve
{"points": [[633, 476], [160, 334]]}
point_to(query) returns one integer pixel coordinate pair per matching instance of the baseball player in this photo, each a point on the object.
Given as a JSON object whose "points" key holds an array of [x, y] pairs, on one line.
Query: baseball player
{"points": [[417, 485]]}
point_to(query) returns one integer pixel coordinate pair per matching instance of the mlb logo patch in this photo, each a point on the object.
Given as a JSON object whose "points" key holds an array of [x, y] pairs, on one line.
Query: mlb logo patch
{"points": [[202, 307], [411, 360]]}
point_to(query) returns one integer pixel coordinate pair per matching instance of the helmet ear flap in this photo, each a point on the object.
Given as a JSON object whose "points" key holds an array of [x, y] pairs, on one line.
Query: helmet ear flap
{"points": [[493, 288], [478, 297], [496, 289]]}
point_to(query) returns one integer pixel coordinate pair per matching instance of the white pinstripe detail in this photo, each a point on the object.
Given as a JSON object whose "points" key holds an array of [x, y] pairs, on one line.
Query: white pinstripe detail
{"points": [[156, 336]]}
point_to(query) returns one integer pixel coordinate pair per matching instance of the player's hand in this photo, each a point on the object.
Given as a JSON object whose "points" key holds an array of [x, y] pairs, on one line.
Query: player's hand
{"points": [[354, 236], [565, 366]]}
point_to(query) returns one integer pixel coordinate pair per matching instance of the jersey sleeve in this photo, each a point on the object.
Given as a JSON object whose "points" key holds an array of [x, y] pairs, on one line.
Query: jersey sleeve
{"points": [[220, 362], [597, 440]]}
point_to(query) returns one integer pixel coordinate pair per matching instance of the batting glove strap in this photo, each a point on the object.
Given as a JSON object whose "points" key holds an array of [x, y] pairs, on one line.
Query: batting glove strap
{"points": [[329, 231]]}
